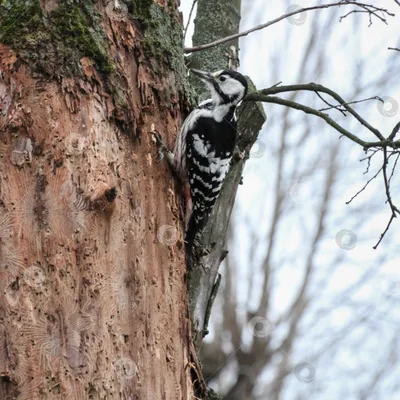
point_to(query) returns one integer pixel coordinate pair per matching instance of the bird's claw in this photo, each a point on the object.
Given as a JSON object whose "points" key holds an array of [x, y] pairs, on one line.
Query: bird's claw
{"points": [[199, 250], [160, 154], [157, 136], [161, 149]]}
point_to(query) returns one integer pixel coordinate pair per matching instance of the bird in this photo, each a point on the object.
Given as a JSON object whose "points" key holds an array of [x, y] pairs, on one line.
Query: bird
{"points": [[204, 146]]}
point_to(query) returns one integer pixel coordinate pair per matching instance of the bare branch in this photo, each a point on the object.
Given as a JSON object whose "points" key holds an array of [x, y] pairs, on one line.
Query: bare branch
{"points": [[264, 96], [312, 111], [313, 87], [383, 144], [394, 132], [189, 19], [365, 8]]}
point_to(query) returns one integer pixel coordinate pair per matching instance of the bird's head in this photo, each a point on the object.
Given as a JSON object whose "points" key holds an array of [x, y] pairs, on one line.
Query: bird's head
{"points": [[226, 86]]}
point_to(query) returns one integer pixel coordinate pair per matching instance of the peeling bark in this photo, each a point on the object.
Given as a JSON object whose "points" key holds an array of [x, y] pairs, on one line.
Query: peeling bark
{"points": [[93, 298]]}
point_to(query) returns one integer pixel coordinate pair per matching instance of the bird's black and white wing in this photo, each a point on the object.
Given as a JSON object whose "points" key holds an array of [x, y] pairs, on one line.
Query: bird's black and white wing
{"points": [[207, 167], [180, 154]]}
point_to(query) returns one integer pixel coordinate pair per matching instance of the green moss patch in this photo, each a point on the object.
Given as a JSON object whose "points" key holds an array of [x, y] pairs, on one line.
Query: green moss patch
{"points": [[54, 43], [140, 9], [77, 32], [163, 45]]}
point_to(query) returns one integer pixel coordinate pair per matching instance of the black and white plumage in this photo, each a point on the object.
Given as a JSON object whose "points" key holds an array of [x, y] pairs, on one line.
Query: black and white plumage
{"points": [[205, 145]]}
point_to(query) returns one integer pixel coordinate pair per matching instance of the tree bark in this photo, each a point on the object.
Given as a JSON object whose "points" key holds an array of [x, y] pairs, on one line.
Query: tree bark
{"points": [[215, 20], [94, 299]]}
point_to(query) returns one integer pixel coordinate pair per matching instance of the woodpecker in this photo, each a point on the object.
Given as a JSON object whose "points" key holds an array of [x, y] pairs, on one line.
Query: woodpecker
{"points": [[204, 146]]}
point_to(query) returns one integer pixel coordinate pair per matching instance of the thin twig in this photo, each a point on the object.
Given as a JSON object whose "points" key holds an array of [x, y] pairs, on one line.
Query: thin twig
{"points": [[330, 105], [370, 150], [369, 160], [384, 232], [365, 186], [393, 208], [388, 195], [351, 102], [371, 13], [277, 84], [189, 19], [370, 9], [393, 48], [394, 167]]}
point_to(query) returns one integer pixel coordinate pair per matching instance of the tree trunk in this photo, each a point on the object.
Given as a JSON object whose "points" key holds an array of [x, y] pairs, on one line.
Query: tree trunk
{"points": [[94, 298]]}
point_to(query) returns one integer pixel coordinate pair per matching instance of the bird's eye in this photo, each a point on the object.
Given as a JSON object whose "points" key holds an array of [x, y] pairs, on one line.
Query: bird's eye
{"points": [[222, 78]]}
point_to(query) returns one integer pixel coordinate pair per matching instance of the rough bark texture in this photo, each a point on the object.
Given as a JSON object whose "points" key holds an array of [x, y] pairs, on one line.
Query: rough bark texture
{"points": [[93, 300], [213, 21]]}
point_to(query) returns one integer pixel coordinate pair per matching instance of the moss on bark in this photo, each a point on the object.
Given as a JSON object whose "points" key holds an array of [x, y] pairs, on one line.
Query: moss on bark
{"points": [[140, 9], [54, 42], [163, 46]]}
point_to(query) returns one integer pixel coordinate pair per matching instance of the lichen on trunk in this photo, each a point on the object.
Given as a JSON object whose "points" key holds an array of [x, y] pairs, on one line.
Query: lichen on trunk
{"points": [[214, 20]]}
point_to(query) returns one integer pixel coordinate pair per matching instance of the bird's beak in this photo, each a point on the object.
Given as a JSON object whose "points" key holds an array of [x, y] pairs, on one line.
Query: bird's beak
{"points": [[206, 76]]}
